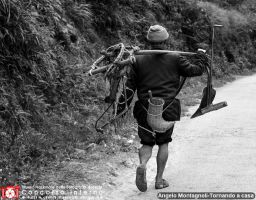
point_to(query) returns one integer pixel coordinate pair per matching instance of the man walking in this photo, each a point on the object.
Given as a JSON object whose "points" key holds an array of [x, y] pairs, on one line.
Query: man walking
{"points": [[161, 74]]}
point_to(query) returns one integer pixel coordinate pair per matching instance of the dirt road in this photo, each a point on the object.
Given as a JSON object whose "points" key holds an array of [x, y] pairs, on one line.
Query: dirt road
{"points": [[212, 153]]}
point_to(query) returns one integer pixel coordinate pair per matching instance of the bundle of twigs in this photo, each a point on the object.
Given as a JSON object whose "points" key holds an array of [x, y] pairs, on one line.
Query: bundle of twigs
{"points": [[114, 64]]}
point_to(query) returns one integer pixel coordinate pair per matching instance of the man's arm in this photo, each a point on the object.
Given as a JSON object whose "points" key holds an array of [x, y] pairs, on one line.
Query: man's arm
{"points": [[187, 69]]}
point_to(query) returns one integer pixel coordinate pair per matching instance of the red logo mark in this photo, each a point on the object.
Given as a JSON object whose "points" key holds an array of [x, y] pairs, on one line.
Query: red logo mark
{"points": [[10, 192]]}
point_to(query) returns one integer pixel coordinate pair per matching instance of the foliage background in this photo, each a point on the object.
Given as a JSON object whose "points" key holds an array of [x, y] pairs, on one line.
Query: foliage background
{"points": [[47, 106]]}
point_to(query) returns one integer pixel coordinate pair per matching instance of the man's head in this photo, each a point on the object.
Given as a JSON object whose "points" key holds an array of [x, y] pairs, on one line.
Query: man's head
{"points": [[157, 36]]}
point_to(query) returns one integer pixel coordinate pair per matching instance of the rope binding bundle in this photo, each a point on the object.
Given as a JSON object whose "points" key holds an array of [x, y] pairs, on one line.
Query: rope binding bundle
{"points": [[114, 64]]}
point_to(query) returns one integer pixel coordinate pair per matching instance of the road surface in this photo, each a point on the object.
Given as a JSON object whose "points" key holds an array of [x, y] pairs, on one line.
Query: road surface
{"points": [[212, 153]]}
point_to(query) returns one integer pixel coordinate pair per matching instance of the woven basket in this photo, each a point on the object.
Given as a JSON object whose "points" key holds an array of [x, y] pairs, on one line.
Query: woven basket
{"points": [[154, 116]]}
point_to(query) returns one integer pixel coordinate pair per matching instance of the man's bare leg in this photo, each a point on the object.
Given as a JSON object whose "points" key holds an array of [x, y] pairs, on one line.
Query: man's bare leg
{"points": [[161, 160], [145, 153]]}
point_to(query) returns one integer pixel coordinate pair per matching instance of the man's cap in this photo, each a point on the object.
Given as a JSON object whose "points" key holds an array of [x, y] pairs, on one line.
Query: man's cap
{"points": [[157, 33]]}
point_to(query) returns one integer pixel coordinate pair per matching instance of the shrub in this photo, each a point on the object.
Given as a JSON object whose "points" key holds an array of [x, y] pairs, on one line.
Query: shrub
{"points": [[232, 20], [39, 81], [79, 13]]}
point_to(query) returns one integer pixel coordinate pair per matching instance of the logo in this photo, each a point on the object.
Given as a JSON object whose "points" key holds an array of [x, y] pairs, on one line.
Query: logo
{"points": [[10, 192]]}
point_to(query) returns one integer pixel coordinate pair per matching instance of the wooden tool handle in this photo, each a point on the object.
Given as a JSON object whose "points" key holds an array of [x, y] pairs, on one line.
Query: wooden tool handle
{"points": [[150, 52]]}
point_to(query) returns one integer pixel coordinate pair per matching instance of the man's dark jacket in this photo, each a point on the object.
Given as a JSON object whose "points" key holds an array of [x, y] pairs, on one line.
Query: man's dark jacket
{"points": [[161, 74]]}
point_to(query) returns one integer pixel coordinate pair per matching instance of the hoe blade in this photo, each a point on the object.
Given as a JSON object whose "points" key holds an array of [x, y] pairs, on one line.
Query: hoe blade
{"points": [[207, 99]]}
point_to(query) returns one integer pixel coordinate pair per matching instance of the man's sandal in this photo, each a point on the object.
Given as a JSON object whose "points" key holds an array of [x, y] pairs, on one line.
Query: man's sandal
{"points": [[141, 181], [161, 184]]}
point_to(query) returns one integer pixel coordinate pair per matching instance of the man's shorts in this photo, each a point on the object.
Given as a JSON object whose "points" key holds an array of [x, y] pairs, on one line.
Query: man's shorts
{"points": [[147, 137], [140, 113]]}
